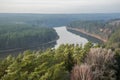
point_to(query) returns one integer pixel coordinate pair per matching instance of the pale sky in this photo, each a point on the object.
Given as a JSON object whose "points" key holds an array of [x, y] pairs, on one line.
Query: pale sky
{"points": [[59, 6]]}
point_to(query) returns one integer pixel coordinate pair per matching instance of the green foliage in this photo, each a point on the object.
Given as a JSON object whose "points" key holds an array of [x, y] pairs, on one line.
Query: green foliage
{"points": [[101, 28], [88, 45], [4, 64], [24, 36], [117, 56], [90, 26], [48, 65], [114, 41], [62, 64]]}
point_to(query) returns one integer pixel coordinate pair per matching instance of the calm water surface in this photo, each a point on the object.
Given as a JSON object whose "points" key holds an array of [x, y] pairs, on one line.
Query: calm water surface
{"points": [[66, 37]]}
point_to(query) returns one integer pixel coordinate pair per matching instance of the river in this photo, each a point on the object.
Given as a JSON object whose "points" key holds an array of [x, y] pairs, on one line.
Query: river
{"points": [[66, 37]]}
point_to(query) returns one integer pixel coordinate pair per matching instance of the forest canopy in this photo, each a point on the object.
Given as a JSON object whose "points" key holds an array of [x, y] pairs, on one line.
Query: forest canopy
{"points": [[24, 36], [68, 62]]}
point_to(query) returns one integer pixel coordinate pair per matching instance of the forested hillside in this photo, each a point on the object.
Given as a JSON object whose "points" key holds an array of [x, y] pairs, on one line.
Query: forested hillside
{"points": [[68, 62], [109, 30], [51, 20], [114, 40], [101, 28], [15, 36]]}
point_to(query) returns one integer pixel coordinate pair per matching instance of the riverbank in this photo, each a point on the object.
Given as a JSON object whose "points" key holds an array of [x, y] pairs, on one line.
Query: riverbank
{"points": [[86, 33], [16, 51]]}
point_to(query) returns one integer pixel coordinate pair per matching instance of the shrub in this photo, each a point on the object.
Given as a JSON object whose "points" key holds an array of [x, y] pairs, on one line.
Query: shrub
{"points": [[82, 72], [102, 62]]}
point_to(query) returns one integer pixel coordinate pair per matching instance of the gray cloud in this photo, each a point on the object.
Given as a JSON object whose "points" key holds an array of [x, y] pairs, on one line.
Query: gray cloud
{"points": [[60, 6]]}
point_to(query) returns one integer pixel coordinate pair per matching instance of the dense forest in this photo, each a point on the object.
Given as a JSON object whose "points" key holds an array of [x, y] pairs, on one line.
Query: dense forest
{"points": [[114, 41], [68, 62], [52, 20], [13, 36], [101, 28], [108, 30]]}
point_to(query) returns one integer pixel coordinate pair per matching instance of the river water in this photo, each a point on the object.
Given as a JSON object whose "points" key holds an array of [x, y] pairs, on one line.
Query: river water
{"points": [[66, 37]]}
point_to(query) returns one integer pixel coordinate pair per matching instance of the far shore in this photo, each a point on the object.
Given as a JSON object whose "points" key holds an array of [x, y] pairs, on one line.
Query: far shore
{"points": [[86, 33]]}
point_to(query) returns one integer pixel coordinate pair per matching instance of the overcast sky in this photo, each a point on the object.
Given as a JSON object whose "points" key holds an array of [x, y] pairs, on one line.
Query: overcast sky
{"points": [[59, 6]]}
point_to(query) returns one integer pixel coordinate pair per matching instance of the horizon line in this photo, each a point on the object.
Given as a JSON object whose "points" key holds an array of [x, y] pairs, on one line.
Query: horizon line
{"points": [[60, 13]]}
